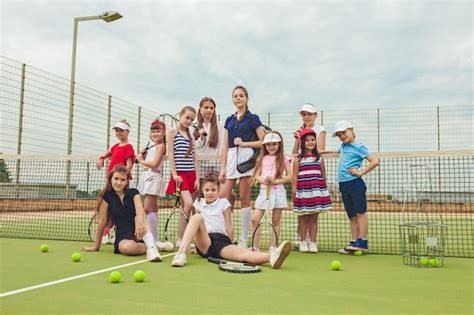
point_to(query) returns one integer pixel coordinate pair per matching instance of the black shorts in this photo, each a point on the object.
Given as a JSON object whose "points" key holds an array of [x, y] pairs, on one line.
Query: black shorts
{"points": [[353, 197], [127, 233], [218, 242]]}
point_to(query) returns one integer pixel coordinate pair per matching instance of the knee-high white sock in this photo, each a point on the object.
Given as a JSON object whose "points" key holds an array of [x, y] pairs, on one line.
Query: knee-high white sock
{"points": [[148, 240], [152, 219], [246, 219]]}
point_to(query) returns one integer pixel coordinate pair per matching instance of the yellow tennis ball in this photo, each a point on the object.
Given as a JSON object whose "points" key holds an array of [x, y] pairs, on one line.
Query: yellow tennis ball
{"points": [[139, 276], [432, 261], [424, 261], [76, 257], [44, 248], [336, 265], [358, 253], [115, 277]]}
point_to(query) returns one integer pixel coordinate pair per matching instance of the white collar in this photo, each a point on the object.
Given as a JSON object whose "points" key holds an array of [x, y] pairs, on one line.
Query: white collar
{"points": [[203, 202]]}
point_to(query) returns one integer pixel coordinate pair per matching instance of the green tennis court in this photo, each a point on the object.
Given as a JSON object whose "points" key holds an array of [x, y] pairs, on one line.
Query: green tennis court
{"points": [[371, 284]]}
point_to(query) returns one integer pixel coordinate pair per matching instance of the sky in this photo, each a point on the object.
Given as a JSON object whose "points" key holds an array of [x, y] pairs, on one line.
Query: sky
{"points": [[337, 55]]}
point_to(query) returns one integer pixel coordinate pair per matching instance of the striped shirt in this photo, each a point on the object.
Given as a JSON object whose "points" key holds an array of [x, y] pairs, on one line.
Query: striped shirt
{"points": [[181, 145]]}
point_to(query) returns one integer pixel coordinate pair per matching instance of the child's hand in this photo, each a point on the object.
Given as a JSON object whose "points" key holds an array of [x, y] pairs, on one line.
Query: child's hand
{"points": [[139, 228], [271, 180], [100, 163], [196, 184], [355, 171], [238, 141], [222, 176], [178, 180], [296, 134], [89, 249]]}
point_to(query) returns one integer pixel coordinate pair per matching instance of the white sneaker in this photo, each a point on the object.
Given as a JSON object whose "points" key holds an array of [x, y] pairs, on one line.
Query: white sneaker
{"points": [[152, 254], [312, 247], [164, 246], [303, 248], [179, 260], [243, 243], [278, 256]]}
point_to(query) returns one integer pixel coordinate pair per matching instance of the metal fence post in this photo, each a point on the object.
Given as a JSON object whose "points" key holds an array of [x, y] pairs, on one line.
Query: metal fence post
{"points": [[268, 119], [322, 118], [138, 139], [378, 149], [109, 117], [20, 130]]}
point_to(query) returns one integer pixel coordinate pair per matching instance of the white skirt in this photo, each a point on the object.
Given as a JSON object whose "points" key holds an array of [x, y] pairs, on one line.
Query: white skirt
{"points": [[151, 183], [277, 199], [233, 159]]}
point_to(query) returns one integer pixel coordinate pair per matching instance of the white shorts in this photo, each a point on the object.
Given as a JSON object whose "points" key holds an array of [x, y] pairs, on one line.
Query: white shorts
{"points": [[207, 166], [232, 160], [151, 183], [277, 199]]}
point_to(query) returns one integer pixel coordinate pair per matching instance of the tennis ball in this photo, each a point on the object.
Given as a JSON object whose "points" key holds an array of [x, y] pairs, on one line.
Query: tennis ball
{"points": [[424, 261], [44, 248], [336, 265], [139, 276], [358, 253], [76, 257], [434, 262], [115, 277]]}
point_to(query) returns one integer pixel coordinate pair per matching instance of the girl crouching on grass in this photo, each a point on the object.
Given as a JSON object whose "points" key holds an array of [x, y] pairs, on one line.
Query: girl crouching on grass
{"points": [[212, 232], [123, 206]]}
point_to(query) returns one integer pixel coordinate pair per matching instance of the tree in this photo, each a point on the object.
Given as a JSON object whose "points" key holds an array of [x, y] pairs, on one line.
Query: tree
{"points": [[5, 176]]}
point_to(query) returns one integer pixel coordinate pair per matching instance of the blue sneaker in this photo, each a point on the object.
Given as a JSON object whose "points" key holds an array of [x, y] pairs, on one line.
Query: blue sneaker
{"points": [[360, 244]]}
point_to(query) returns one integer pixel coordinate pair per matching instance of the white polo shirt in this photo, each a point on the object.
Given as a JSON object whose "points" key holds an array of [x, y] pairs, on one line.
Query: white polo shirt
{"points": [[213, 214]]}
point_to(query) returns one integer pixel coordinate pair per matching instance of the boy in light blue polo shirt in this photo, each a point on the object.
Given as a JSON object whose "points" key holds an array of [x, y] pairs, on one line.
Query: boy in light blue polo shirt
{"points": [[351, 185]]}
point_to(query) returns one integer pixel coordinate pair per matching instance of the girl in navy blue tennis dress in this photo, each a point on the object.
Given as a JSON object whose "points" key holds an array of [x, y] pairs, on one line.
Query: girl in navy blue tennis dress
{"points": [[240, 131], [123, 207]]}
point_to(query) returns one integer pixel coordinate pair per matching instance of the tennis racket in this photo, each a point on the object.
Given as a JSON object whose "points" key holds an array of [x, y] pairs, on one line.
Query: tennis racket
{"points": [[92, 229], [175, 219], [148, 147], [265, 226], [234, 267]]}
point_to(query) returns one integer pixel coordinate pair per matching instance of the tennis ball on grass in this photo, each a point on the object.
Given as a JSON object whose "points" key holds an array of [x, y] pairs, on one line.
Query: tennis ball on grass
{"points": [[424, 261], [139, 276], [434, 262], [44, 248], [115, 277], [336, 265], [76, 257], [358, 253]]}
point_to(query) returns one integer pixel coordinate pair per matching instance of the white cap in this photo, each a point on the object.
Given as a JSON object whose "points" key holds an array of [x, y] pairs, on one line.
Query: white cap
{"points": [[341, 125], [310, 108], [271, 137], [121, 125]]}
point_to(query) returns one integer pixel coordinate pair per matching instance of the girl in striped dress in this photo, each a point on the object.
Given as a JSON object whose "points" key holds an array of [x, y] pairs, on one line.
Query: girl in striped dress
{"points": [[310, 193], [183, 162]]}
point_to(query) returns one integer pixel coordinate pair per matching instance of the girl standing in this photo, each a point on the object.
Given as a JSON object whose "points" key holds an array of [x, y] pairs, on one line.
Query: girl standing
{"points": [[310, 193], [237, 147], [208, 134], [151, 182], [123, 206], [272, 170], [212, 231], [183, 163]]}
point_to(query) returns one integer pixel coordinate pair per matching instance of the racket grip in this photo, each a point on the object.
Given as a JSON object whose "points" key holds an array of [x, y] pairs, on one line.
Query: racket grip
{"points": [[214, 260]]}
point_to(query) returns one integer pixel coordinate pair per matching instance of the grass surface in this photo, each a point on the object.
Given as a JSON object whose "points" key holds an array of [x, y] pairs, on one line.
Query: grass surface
{"points": [[371, 284]]}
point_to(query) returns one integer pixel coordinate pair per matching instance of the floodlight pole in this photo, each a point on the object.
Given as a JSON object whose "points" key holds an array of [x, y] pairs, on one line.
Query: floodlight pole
{"points": [[108, 16]]}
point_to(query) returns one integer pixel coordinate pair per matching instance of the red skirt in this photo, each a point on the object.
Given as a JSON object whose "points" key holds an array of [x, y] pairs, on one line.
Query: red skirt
{"points": [[189, 178]]}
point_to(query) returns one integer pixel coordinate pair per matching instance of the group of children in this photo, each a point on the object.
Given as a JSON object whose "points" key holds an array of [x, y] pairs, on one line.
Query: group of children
{"points": [[211, 227]]}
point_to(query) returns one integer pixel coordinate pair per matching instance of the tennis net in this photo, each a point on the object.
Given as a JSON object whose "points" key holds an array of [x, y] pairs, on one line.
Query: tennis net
{"points": [[54, 197]]}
